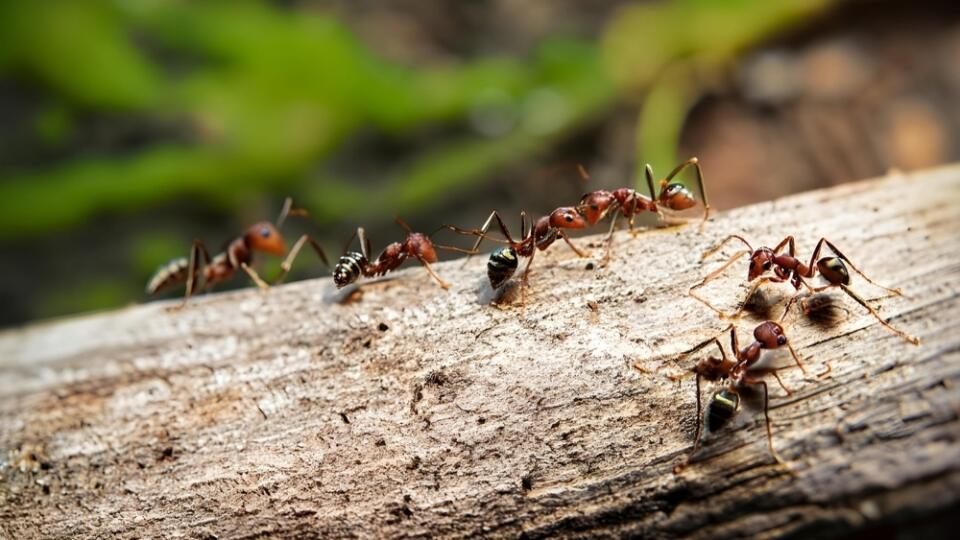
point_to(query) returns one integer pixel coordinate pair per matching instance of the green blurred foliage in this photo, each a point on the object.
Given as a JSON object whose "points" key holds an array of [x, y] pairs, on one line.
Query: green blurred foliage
{"points": [[260, 95]]}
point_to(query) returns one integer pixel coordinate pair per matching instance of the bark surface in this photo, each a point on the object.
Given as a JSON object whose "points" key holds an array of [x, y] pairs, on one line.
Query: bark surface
{"points": [[402, 410]]}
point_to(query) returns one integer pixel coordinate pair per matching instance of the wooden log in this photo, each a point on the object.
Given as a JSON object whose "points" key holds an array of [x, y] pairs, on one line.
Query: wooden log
{"points": [[407, 411]]}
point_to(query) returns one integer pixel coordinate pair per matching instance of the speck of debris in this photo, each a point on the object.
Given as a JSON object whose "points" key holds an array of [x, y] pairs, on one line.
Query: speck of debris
{"points": [[640, 299], [343, 416], [526, 482], [436, 377], [366, 344], [414, 463], [407, 498], [592, 304], [590, 266], [167, 453], [481, 420], [381, 442], [383, 327]]}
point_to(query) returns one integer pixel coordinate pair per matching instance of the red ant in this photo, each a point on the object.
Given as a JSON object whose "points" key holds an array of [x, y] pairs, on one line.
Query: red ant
{"points": [[352, 264], [738, 374], [595, 206], [542, 234], [263, 237], [788, 267]]}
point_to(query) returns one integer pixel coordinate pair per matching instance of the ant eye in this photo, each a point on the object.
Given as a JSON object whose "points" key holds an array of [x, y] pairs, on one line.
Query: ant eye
{"points": [[594, 207], [766, 265], [568, 217], [265, 232]]}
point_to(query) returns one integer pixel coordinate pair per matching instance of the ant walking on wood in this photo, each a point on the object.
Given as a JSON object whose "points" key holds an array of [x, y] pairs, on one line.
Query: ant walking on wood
{"points": [[542, 234], [786, 267], [352, 265], [262, 237], [595, 206], [739, 374]]}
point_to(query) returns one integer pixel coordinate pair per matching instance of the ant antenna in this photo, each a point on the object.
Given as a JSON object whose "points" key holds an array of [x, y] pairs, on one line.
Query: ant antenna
{"points": [[285, 211], [583, 173], [403, 224]]}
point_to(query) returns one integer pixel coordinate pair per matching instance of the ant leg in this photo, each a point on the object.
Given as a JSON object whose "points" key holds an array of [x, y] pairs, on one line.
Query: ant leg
{"points": [[524, 279], [695, 163], [912, 339], [648, 175], [796, 358], [254, 276], [364, 242], [766, 415], [294, 251], [753, 289], [713, 275], [443, 284], [699, 433], [196, 250], [780, 382], [700, 184], [571, 244], [481, 233], [893, 292], [790, 243], [714, 339], [709, 253], [608, 241]]}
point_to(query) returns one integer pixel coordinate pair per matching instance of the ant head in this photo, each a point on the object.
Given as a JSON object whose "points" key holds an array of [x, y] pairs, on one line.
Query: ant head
{"points": [[593, 205], [770, 335], [833, 270], [265, 237], [677, 197], [567, 218], [760, 261]]}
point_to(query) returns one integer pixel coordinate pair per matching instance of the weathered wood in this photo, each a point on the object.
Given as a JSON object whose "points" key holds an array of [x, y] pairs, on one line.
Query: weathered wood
{"points": [[416, 412]]}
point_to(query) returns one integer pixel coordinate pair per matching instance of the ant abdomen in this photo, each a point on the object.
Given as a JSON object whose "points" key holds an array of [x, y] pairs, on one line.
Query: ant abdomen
{"points": [[721, 409], [348, 268], [501, 266], [833, 270], [173, 273]]}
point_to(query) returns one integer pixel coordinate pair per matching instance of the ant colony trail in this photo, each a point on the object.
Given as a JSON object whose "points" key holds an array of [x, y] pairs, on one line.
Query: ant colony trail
{"points": [[638, 385]]}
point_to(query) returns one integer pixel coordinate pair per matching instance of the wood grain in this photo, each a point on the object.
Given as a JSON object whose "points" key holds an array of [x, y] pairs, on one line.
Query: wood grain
{"points": [[406, 411]]}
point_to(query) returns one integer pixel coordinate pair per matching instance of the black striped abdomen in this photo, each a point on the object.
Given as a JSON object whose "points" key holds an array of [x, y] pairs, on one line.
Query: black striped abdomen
{"points": [[501, 266], [349, 268], [171, 274]]}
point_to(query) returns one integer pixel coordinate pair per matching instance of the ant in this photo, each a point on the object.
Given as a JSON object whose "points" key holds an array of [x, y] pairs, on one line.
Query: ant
{"points": [[738, 373], [352, 265], [595, 206], [787, 267], [263, 237], [542, 234]]}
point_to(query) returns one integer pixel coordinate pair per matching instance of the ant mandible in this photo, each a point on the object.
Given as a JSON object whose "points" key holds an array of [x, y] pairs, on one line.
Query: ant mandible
{"points": [[595, 206], [542, 234], [352, 265], [262, 237], [738, 374], [787, 267]]}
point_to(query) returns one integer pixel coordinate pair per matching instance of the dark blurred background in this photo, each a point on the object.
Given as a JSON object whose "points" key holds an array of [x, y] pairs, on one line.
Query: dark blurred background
{"points": [[129, 127]]}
